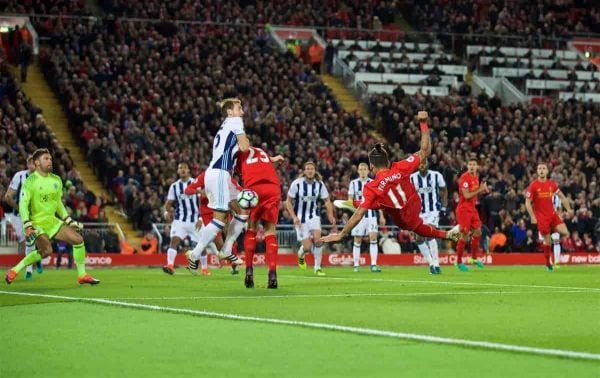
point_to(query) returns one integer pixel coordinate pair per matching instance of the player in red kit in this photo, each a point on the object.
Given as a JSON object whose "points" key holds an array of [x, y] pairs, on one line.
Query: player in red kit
{"points": [[467, 216], [539, 205], [258, 174], [392, 191]]}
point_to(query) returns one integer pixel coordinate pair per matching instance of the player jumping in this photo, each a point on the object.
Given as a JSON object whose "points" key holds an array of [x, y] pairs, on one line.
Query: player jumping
{"points": [[539, 205], [467, 215], [392, 191], [221, 193], [41, 199], [258, 174]]}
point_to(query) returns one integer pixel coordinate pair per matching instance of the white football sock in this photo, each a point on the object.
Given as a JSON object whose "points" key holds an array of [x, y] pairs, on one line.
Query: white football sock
{"points": [[373, 249], [356, 254], [171, 253], [317, 252], [207, 235], [28, 250], [204, 261], [433, 250], [556, 249], [301, 250], [213, 248], [236, 226], [424, 249]]}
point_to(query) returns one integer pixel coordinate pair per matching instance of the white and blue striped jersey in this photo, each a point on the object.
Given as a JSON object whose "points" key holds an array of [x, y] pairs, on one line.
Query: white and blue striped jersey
{"points": [[186, 206], [428, 187], [306, 196], [556, 202], [355, 191], [16, 184], [225, 145]]}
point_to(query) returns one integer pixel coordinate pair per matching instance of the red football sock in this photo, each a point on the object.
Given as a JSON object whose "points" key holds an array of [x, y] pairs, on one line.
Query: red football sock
{"points": [[547, 253], [430, 231], [272, 249], [475, 246], [460, 250], [249, 247]]}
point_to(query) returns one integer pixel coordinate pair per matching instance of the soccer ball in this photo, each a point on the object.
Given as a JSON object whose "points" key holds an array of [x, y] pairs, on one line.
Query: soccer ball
{"points": [[247, 199]]}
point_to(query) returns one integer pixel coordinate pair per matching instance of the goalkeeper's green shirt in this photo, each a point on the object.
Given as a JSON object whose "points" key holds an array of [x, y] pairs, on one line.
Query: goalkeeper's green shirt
{"points": [[41, 199]]}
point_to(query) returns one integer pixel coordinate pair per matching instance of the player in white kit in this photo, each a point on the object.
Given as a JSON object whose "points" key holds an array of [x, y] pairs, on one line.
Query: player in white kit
{"points": [[303, 204], [220, 191], [432, 189], [182, 211], [12, 197], [555, 235], [368, 225]]}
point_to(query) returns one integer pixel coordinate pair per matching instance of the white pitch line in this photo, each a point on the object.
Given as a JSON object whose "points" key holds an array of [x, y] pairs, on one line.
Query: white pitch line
{"points": [[347, 295], [323, 279], [331, 327]]}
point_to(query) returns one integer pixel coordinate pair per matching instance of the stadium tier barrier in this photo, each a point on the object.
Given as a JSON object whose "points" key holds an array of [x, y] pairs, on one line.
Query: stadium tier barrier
{"points": [[369, 44], [486, 60], [329, 259], [401, 78], [408, 89], [522, 51], [556, 74], [565, 96]]}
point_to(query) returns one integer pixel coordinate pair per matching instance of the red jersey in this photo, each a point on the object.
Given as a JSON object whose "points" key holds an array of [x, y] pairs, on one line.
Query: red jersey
{"points": [[255, 167], [392, 187], [470, 182], [540, 193]]}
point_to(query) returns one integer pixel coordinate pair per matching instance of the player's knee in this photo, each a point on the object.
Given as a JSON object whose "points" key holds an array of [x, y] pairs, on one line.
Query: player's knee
{"points": [[477, 232], [45, 251], [77, 239], [555, 237]]}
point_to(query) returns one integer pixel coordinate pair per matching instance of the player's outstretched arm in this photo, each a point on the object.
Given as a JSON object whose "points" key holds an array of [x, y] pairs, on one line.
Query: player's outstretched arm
{"points": [[530, 210], [9, 198], [425, 147], [352, 222], [565, 201], [290, 208], [483, 188], [243, 142], [277, 159]]}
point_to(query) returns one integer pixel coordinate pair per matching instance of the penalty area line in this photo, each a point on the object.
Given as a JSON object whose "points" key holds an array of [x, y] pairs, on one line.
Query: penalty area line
{"points": [[325, 326]]}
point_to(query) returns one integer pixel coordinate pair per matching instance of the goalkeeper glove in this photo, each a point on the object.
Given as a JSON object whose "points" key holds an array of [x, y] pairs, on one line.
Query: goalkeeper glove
{"points": [[30, 233], [73, 223]]}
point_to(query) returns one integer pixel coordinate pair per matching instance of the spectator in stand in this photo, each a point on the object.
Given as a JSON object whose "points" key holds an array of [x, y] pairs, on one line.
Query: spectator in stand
{"points": [[498, 241], [149, 244]]}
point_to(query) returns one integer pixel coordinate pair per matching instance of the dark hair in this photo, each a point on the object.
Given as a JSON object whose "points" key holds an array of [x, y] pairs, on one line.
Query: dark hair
{"points": [[378, 156], [473, 159], [184, 163], [39, 152], [228, 104]]}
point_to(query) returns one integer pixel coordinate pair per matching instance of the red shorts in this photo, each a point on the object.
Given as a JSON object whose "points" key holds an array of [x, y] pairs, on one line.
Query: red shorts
{"points": [[269, 200], [547, 224], [467, 219], [409, 217], [206, 216]]}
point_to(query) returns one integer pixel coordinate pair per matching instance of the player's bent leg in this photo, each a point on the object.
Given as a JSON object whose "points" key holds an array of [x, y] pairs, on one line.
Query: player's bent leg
{"points": [[236, 226], [43, 248], [475, 240], [249, 249], [69, 235], [556, 248], [272, 250], [171, 255]]}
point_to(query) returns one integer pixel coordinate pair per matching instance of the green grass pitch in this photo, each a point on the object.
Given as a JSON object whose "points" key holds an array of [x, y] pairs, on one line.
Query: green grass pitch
{"points": [[62, 336]]}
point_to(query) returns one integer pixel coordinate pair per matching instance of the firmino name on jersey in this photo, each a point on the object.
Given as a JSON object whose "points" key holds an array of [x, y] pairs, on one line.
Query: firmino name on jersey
{"points": [[388, 179]]}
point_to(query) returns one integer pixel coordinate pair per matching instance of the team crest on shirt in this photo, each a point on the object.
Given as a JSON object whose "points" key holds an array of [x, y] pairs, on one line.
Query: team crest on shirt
{"points": [[55, 186]]}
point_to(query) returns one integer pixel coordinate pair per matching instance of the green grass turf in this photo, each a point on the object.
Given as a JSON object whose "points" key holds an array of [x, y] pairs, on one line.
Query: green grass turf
{"points": [[497, 304]]}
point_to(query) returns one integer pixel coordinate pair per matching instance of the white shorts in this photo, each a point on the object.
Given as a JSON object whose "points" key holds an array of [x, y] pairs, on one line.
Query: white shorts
{"points": [[432, 218], [365, 226], [304, 230], [219, 189], [183, 229], [17, 224]]}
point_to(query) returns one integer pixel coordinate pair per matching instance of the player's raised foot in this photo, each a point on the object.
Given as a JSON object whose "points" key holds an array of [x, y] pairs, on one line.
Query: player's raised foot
{"points": [[28, 276], [272, 284], [438, 270], [432, 269], [320, 273], [549, 268], [462, 267], [205, 272], [233, 259], [39, 268], [375, 269], [87, 279], [10, 276], [344, 205], [454, 233], [301, 262], [356, 269], [249, 279], [476, 262], [192, 264], [169, 269]]}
